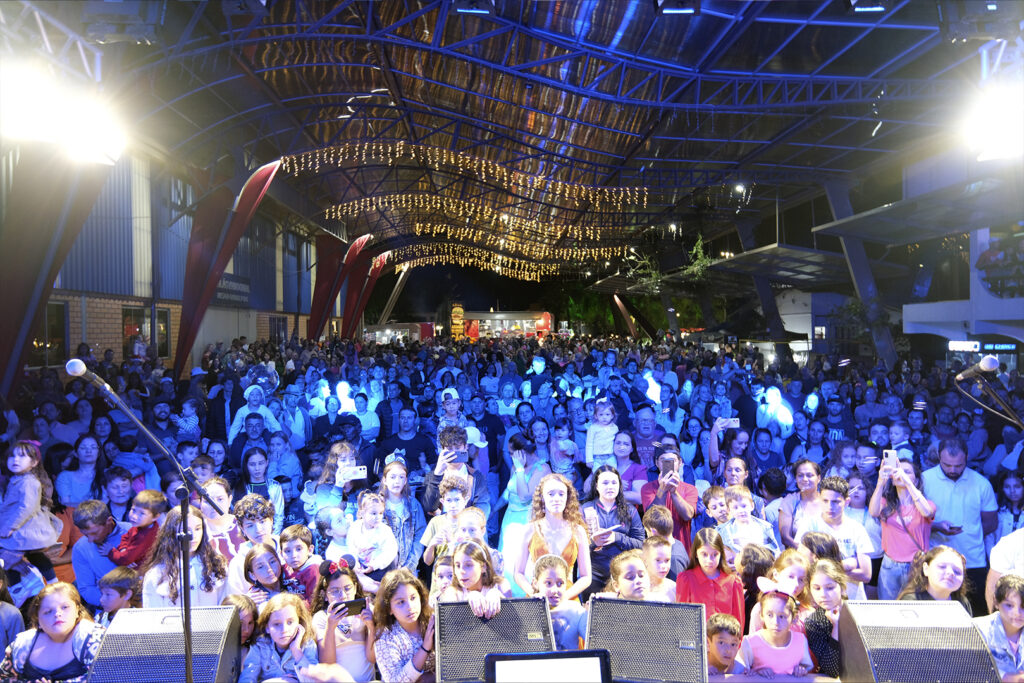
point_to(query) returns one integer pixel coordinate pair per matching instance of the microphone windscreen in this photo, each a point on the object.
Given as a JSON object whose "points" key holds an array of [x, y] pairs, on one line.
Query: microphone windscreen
{"points": [[989, 364], [75, 367]]}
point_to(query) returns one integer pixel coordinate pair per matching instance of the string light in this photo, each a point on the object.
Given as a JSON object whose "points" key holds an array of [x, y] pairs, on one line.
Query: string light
{"points": [[487, 171], [463, 255], [513, 244]]}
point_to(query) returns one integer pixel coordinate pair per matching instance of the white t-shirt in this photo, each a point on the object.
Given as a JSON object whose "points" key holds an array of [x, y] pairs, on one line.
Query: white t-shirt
{"points": [[852, 538], [1008, 554]]}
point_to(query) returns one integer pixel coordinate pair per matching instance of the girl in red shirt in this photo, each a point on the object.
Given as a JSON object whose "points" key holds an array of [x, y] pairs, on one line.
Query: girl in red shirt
{"points": [[707, 578]]}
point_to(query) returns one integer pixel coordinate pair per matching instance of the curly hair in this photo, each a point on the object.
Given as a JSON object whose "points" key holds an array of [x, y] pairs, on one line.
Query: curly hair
{"points": [[383, 619], [572, 511], [164, 554]]}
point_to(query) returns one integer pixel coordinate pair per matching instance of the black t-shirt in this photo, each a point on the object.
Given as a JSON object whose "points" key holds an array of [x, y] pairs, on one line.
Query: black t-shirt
{"points": [[413, 448]]}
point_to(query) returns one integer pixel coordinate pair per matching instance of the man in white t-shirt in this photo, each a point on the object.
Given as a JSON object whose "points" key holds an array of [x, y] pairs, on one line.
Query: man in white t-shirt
{"points": [[1007, 558], [853, 540]]}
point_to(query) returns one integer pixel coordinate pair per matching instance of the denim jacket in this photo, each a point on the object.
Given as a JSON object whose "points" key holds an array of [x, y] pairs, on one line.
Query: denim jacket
{"points": [[85, 643], [263, 662], [1007, 661]]}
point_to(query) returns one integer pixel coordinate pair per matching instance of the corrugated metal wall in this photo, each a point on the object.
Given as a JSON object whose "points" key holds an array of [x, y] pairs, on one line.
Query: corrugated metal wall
{"points": [[172, 241], [254, 259], [289, 272]]}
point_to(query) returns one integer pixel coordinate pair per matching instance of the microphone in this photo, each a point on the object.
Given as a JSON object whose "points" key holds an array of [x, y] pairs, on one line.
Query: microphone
{"points": [[986, 364], [76, 368]]}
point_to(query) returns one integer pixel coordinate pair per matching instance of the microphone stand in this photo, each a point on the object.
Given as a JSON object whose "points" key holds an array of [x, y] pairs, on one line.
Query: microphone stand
{"points": [[1010, 415], [190, 485]]}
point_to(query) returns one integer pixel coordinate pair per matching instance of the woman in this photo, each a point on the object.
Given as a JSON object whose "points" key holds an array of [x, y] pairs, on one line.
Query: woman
{"points": [[83, 480], [938, 574], [333, 489], [734, 445], [605, 510], [762, 457], [805, 502], [327, 427], [817, 447], [218, 450], [906, 517], [224, 531], [670, 416], [62, 644], [527, 473], [539, 431], [208, 570], [689, 445], [556, 527], [489, 382], [254, 479], [104, 429]]}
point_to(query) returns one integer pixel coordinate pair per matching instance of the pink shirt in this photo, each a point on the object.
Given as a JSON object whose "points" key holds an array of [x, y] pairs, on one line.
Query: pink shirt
{"points": [[758, 654], [899, 542]]}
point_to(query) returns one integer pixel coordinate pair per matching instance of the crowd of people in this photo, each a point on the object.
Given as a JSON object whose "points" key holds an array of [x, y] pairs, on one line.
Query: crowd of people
{"points": [[361, 484]]}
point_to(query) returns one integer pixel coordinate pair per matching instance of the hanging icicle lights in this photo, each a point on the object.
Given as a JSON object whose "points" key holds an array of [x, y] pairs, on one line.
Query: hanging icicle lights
{"points": [[464, 211], [441, 157], [446, 253], [511, 243]]}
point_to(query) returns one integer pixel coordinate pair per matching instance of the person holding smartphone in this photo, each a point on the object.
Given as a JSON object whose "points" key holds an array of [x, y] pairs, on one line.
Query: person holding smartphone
{"points": [[453, 460], [671, 491]]}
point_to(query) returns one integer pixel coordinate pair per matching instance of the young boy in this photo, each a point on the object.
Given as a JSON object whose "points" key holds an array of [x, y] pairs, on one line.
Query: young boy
{"points": [[440, 531], [658, 522], [743, 528], [120, 588], [658, 558], [568, 617], [135, 544], [255, 514], [301, 566], [715, 510], [202, 466], [772, 487], [337, 531], [724, 635], [188, 422]]}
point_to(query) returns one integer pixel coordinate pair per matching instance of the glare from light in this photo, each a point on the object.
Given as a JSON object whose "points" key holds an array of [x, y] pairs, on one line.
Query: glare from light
{"points": [[740, 189], [344, 392], [35, 106], [992, 126], [991, 7], [653, 388]]}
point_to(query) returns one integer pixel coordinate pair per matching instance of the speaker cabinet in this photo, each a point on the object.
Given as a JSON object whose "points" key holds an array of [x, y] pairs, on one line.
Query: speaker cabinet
{"points": [[464, 640], [650, 641], [148, 646], [912, 641]]}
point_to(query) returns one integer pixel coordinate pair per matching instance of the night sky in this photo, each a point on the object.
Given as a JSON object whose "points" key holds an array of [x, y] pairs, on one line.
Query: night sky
{"points": [[427, 287]]}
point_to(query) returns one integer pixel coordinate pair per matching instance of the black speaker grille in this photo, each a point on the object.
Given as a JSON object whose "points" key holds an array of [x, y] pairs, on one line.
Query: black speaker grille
{"points": [[464, 640], [927, 655], [650, 641]]}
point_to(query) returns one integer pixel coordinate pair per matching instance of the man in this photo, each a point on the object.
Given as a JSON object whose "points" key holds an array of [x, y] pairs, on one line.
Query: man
{"points": [[839, 425], [578, 417], [966, 512], [387, 410], [100, 533], [535, 376], [254, 400], [351, 432], [255, 435], [850, 534], [646, 432], [449, 366], [623, 407], [1007, 558], [295, 420], [222, 403], [671, 491], [166, 433], [870, 410], [453, 461], [414, 446]]}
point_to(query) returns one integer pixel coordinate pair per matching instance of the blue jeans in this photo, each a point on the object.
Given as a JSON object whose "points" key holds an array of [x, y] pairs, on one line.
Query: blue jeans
{"points": [[891, 578], [493, 518]]}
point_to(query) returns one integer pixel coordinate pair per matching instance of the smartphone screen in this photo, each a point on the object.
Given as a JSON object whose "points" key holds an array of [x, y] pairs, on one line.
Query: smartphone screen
{"points": [[461, 456]]}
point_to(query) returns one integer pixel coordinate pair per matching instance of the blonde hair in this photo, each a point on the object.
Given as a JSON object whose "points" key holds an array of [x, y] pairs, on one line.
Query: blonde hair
{"points": [[615, 568], [788, 558], [281, 601], [832, 570], [738, 492]]}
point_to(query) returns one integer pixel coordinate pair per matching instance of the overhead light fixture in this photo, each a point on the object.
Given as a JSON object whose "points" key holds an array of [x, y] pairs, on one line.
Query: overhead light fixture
{"points": [[740, 188], [868, 5], [992, 126], [677, 6], [473, 6]]}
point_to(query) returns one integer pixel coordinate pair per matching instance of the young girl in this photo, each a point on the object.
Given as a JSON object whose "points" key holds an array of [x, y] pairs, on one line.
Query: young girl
{"points": [[906, 521], [600, 434], [563, 453], [707, 578], [1009, 486], [263, 571], [791, 568], [939, 574], [248, 613], [558, 528], [286, 642], [402, 513], [162, 578], [857, 510], [443, 574], [345, 639], [26, 524], [842, 460], [371, 539], [776, 648], [828, 590], [254, 479], [628, 577], [752, 563], [225, 532], [404, 624], [474, 580]]}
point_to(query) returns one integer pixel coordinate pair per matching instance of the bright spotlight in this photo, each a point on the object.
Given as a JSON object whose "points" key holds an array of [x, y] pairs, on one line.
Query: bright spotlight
{"points": [[740, 189], [993, 124], [36, 106]]}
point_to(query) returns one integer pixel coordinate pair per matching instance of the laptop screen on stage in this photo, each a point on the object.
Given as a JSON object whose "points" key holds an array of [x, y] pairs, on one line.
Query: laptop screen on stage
{"points": [[579, 666]]}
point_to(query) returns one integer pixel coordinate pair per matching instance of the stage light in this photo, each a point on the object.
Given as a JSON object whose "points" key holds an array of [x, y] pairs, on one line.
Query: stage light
{"points": [[473, 6], [677, 6], [740, 189], [992, 126], [868, 5], [36, 106]]}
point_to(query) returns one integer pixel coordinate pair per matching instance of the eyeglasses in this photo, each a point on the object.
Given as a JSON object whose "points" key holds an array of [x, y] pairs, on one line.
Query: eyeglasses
{"points": [[336, 593]]}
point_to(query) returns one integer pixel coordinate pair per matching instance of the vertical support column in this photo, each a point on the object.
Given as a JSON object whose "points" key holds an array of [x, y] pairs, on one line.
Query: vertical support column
{"points": [[766, 296], [670, 313], [396, 291], [860, 272], [625, 316]]}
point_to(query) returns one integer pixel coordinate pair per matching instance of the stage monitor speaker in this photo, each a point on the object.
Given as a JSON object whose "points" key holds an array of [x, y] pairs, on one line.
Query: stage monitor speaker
{"points": [[148, 646], [912, 641], [463, 640], [650, 641]]}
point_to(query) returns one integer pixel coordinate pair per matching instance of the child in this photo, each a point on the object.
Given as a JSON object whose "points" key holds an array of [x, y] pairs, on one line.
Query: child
{"points": [[120, 588], [628, 578], [751, 564], [842, 460], [793, 568], [441, 578], [568, 617], [27, 527], [857, 510], [301, 566], [404, 623], [775, 648], [454, 494], [743, 528], [207, 571], [345, 639], [137, 541], [828, 590], [370, 539], [707, 578], [1002, 630], [1009, 487], [286, 642], [188, 422], [263, 571], [601, 435], [339, 525], [474, 580], [402, 512], [471, 525], [248, 612], [255, 514], [724, 636], [203, 466], [658, 522], [715, 510], [658, 558]]}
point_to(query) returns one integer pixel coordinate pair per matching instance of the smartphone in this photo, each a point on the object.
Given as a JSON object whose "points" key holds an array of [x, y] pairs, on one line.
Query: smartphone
{"points": [[354, 607], [461, 456], [353, 473], [734, 423], [890, 458], [666, 466]]}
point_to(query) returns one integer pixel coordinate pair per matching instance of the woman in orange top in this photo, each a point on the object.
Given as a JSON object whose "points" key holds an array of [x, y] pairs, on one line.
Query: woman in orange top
{"points": [[556, 528], [708, 581]]}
